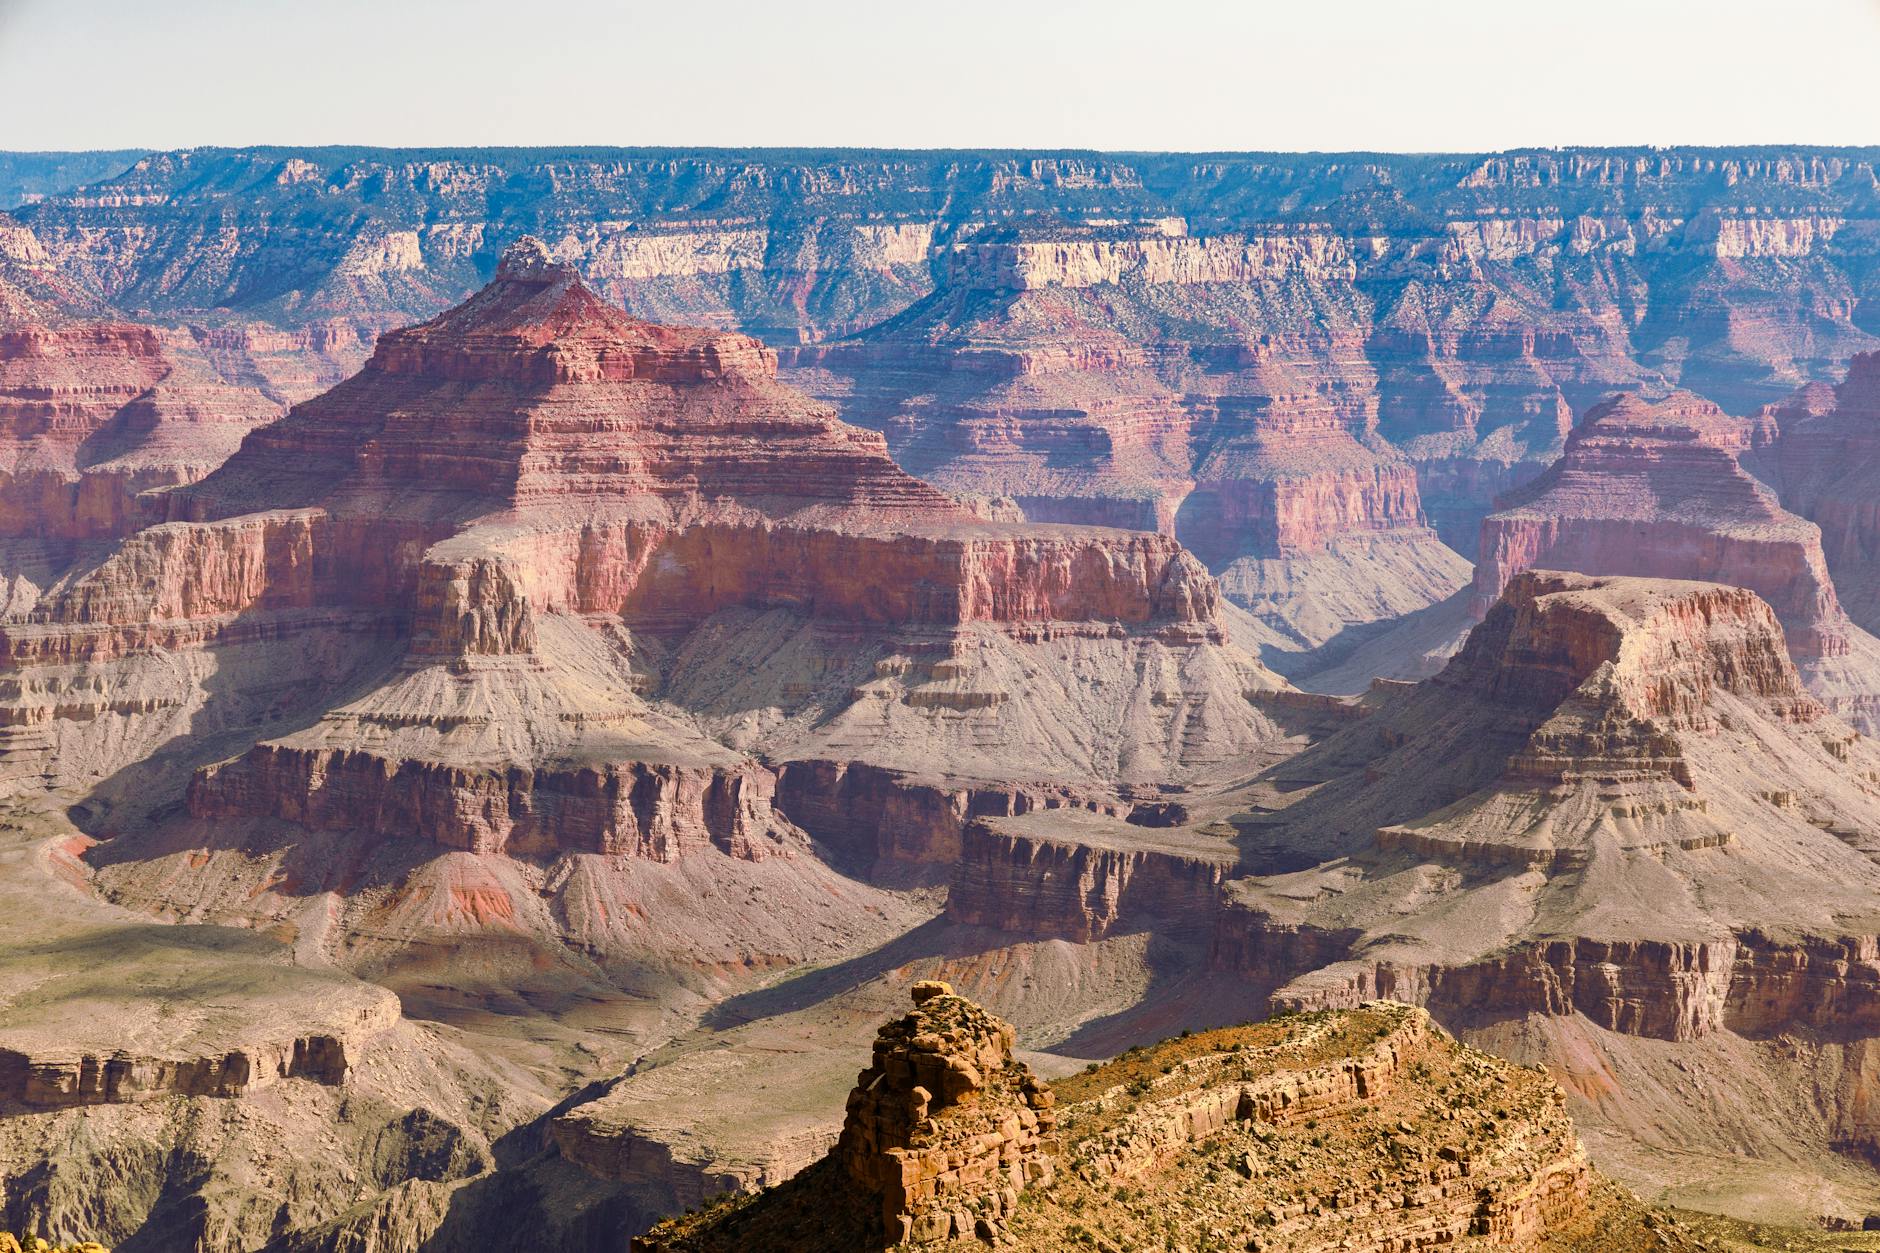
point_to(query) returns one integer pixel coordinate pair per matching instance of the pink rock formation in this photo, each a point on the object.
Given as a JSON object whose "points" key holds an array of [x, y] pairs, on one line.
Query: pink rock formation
{"points": [[94, 414], [533, 489], [1657, 489], [1012, 383], [1828, 467]]}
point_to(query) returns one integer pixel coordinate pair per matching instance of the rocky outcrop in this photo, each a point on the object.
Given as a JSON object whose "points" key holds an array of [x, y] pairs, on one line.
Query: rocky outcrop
{"points": [[1371, 1130], [1655, 489], [868, 814], [944, 1131], [1662, 650], [945, 1126], [1058, 887], [1751, 984], [52, 1082]]}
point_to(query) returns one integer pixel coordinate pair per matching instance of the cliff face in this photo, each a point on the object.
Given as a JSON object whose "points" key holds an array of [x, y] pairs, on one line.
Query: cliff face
{"points": [[1024, 378], [94, 416], [1747, 984], [1114, 340], [1657, 484], [1207, 1134], [659, 811], [1659, 490], [589, 587], [1062, 889], [1511, 277], [1826, 464]]}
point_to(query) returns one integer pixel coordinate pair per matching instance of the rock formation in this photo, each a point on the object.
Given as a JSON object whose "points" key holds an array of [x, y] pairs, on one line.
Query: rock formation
{"points": [[945, 1127], [1352, 346], [1022, 378], [545, 593], [533, 457], [1617, 809], [1590, 726], [1825, 466], [1053, 880], [1671, 488], [1369, 1130], [96, 419], [1657, 489], [620, 712]]}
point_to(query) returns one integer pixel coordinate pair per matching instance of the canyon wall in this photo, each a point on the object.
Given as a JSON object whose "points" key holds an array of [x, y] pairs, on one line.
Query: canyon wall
{"points": [[1309, 369]]}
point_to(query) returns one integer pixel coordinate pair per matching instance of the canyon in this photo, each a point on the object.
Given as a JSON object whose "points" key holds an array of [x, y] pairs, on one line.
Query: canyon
{"points": [[514, 663], [1317, 372]]}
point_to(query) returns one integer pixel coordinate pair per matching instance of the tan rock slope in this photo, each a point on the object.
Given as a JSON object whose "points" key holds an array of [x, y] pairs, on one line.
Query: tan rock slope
{"points": [[1617, 820], [1369, 1129]]}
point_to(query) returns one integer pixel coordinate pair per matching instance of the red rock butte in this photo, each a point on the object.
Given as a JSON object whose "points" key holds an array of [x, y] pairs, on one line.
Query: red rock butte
{"points": [[1658, 489], [534, 502], [604, 457]]}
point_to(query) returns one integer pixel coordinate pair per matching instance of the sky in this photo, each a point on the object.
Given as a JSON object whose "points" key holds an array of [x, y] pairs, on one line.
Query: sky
{"points": [[1190, 75]]}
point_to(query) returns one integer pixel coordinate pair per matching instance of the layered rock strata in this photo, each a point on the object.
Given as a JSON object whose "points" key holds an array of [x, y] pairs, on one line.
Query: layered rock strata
{"points": [[1011, 382], [558, 642], [51, 1079], [1658, 489], [1643, 756], [1371, 1130], [97, 419], [1050, 884], [945, 1126], [1826, 464], [1468, 302]]}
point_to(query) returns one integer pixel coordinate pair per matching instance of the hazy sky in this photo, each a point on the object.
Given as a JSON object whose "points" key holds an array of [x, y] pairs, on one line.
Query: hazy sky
{"points": [[1131, 74]]}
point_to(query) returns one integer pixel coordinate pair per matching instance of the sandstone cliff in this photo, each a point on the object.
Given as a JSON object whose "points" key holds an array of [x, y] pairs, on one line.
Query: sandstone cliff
{"points": [[1094, 338], [1369, 1130], [509, 640]]}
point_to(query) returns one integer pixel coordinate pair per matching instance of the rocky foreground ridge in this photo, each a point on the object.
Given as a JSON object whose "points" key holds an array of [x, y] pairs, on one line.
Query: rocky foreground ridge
{"points": [[1369, 1129]]}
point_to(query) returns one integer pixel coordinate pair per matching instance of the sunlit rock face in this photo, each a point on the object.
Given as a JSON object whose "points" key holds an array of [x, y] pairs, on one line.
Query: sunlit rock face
{"points": [[1309, 369]]}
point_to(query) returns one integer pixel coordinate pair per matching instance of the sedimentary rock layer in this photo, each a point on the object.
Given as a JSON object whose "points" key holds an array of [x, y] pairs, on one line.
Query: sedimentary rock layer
{"points": [[1092, 338], [1210, 1133]]}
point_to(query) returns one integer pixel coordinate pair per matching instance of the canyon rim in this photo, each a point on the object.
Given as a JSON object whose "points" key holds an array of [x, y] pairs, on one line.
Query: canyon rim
{"points": [[1213, 689]]}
